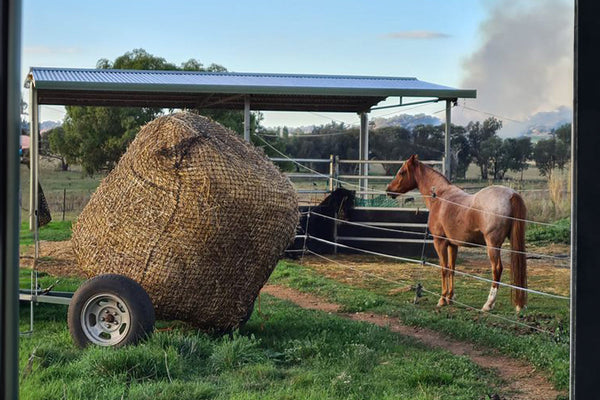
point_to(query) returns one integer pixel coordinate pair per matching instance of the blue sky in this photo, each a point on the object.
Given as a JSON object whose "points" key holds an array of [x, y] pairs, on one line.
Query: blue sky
{"points": [[428, 39]]}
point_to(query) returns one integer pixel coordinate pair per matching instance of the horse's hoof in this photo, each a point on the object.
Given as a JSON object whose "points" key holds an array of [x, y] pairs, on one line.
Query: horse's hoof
{"points": [[441, 302], [486, 308], [518, 309]]}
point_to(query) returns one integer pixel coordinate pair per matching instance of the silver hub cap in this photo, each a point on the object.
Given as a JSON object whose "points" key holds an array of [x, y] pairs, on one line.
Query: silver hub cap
{"points": [[105, 319]]}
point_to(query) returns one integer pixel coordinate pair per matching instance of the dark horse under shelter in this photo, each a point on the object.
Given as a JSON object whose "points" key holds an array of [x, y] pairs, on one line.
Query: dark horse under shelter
{"points": [[336, 205]]}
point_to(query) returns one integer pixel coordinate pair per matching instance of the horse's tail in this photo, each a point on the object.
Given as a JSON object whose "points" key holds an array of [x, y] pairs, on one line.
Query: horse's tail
{"points": [[518, 260]]}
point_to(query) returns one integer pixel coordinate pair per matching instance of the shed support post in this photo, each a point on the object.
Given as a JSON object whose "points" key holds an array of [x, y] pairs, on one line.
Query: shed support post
{"points": [[34, 135], [363, 152], [447, 153], [247, 118]]}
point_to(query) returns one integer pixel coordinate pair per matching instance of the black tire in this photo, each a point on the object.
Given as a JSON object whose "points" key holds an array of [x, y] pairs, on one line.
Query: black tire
{"points": [[110, 310]]}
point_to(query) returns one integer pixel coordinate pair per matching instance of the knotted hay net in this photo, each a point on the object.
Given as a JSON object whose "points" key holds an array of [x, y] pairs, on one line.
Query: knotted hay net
{"points": [[193, 213]]}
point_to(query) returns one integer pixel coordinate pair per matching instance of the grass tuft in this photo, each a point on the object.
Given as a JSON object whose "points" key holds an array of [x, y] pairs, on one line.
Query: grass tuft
{"points": [[235, 352]]}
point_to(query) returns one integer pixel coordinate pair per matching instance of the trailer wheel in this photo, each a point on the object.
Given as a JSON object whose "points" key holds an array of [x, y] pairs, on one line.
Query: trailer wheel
{"points": [[110, 310]]}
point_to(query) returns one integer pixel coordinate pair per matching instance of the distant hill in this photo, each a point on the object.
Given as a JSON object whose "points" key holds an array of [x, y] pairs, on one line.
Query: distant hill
{"points": [[540, 125], [47, 125], [537, 126], [44, 126], [406, 121]]}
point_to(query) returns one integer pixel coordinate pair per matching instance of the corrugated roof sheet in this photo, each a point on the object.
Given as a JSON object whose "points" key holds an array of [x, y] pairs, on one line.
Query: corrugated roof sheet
{"points": [[67, 80]]}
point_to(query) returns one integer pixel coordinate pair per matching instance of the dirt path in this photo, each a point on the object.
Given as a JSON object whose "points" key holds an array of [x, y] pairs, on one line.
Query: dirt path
{"points": [[521, 377]]}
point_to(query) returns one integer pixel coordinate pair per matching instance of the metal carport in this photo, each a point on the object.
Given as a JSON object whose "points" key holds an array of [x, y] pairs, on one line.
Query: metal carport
{"points": [[227, 90]]}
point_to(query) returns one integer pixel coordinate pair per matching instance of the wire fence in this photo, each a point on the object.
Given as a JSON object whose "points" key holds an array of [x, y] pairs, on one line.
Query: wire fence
{"points": [[426, 263], [411, 194], [64, 204], [471, 244], [423, 263], [405, 285]]}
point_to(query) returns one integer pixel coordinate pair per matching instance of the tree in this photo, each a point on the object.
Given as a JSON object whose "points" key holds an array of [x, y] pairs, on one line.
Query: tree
{"points": [[56, 145], [550, 154], [492, 150], [98, 136], [391, 143], [563, 134], [478, 133], [428, 141], [137, 59], [461, 151], [554, 152], [518, 151]]}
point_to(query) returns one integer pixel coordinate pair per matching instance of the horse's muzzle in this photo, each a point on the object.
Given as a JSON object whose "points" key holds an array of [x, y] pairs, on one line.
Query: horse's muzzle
{"points": [[391, 194]]}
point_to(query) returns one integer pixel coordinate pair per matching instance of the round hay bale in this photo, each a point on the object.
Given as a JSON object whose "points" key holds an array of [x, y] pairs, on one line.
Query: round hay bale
{"points": [[193, 213]]}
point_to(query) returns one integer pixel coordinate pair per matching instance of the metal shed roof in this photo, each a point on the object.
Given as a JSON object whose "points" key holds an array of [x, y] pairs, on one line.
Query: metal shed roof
{"points": [[228, 90]]}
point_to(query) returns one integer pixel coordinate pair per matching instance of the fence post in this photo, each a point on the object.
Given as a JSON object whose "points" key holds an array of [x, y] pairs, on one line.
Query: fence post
{"points": [[331, 172], [335, 174], [336, 171], [64, 201], [366, 181]]}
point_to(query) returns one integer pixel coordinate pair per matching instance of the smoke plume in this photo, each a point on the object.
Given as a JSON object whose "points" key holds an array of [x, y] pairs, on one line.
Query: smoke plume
{"points": [[524, 65]]}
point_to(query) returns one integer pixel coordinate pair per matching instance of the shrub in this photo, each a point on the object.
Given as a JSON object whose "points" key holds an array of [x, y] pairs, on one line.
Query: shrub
{"points": [[560, 232]]}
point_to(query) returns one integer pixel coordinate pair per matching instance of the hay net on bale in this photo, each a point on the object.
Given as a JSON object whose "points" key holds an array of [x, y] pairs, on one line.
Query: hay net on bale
{"points": [[196, 215]]}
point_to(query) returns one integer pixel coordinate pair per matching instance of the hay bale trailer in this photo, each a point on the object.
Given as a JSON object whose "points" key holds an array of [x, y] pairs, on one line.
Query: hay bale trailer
{"points": [[188, 226]]}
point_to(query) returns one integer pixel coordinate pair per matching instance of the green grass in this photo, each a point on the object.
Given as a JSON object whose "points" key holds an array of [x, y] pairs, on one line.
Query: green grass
{"points": [[54, 231], [549, 352], [286, 353]]}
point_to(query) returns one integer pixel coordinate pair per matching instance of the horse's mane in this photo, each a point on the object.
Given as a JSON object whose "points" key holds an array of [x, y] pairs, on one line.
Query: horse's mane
{"points": [[436, 172]]}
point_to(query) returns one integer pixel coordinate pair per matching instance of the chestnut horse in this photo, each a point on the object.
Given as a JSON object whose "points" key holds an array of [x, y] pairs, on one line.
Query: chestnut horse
{"points": [[457, 218]]}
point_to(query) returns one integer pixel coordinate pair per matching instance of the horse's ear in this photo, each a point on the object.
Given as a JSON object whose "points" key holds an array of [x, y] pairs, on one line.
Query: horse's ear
{"points": [[413, 158]]}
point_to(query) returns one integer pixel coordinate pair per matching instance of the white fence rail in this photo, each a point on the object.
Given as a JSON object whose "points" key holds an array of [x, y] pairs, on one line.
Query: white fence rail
{"points": [[336, 179]]}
